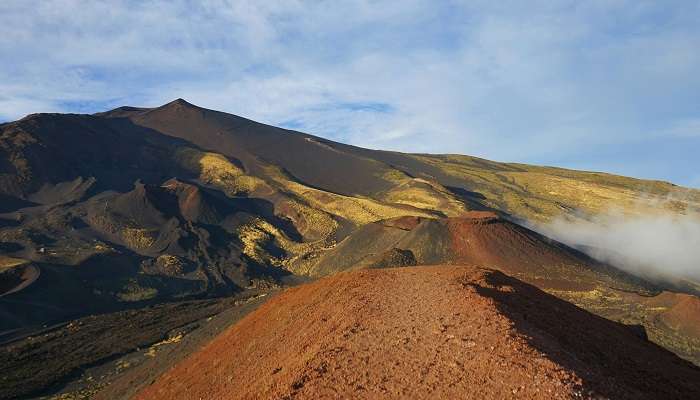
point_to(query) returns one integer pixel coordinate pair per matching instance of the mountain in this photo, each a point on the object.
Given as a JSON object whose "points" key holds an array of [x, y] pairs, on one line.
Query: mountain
{"points": [[140, 207]]}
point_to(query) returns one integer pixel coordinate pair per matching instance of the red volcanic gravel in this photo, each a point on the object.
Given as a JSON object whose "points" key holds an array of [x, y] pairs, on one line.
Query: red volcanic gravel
{"points": [[426, 332]]}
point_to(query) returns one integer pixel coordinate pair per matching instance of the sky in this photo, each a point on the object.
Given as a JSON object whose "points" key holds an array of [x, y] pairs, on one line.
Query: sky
{"points": [[596, 85]]}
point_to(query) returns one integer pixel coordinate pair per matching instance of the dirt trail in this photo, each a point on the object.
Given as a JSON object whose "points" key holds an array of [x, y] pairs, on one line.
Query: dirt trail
{"points": [[426, 332]]}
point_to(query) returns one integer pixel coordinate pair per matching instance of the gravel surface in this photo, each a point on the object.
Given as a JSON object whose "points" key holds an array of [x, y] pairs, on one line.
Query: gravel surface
{"points": [[426, 332]]}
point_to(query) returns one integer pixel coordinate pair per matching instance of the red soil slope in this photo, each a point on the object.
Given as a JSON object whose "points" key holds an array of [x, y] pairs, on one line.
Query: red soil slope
{"points": [[485, 239], [682, 312], [426, 332], [476, 238]]}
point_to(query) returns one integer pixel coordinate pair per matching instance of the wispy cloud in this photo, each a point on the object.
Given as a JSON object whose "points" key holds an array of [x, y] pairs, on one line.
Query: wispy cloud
{"points": [[542, 81]]}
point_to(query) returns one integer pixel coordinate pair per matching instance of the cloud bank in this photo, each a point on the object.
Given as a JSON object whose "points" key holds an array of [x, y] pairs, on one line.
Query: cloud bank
{"points": [[661, 247], [606, 85]]}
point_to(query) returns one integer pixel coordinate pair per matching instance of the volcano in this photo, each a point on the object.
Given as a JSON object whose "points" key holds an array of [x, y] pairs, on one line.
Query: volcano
{"points": [[109, 219]]}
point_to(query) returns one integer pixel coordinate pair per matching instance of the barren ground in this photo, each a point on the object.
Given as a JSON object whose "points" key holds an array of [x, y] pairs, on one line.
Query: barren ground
{"points": [[426, 332]]}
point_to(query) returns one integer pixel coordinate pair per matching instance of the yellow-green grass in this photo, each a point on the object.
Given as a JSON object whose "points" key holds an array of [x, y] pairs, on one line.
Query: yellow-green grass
{"points": [[7, 262], [544, 193]]}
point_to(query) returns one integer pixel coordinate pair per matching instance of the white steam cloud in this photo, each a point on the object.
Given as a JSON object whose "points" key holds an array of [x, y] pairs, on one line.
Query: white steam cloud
{"points": [[661, 247]]}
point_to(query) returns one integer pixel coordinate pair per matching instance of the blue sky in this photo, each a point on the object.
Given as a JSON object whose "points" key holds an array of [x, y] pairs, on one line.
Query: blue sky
{"points": [[597, 85]]}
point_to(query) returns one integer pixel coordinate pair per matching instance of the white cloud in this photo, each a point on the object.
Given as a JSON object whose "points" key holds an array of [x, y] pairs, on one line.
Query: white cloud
{"points": [[658, 247]]}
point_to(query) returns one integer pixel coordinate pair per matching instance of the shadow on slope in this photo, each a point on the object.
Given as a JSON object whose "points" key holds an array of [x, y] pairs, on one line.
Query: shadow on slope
{"points": [[613, 359]]}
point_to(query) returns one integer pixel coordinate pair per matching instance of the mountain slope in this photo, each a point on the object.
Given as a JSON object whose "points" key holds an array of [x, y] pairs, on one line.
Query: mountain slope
{"points": [[437, 332], [475, 238], [350, 170], [138, 206]]}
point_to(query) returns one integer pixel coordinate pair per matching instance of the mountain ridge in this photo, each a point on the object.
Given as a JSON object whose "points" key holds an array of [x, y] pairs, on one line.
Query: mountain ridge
{"points": [[425, 332], [136, 207]]}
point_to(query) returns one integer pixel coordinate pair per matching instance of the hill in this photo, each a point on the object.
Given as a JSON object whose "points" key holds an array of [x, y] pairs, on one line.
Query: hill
{"points": [[435, 332], [474, 238]]}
